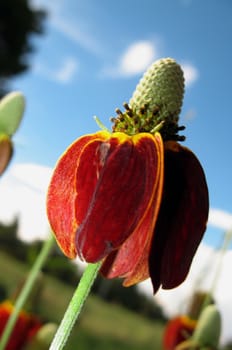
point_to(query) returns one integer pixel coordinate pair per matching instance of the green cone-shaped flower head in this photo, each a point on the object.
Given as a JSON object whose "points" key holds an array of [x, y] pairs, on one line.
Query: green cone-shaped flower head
{"points": [[156, 101], [162, 88]]}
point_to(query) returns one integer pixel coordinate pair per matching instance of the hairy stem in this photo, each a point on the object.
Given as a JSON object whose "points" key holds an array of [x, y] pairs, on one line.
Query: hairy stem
{"points": [[75, 306]]}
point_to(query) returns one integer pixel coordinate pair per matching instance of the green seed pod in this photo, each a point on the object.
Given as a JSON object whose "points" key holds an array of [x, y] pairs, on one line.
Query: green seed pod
{"points": [[11, 112], [207, 332], [162, 88]]}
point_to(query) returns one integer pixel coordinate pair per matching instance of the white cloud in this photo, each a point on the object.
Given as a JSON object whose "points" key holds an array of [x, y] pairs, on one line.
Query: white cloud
{"points": [[220, 219], [23, 194], [191, 73], [63, 74], [135, 60], [66, 72]]}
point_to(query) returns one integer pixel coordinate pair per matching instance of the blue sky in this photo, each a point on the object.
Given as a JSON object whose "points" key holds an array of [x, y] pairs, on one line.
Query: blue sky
{"points": [[93, 54]]}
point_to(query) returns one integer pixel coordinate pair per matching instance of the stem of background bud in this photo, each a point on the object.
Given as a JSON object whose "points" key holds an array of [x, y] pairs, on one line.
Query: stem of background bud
{"points": [[22, 298], [223, 249], [75, 306]]}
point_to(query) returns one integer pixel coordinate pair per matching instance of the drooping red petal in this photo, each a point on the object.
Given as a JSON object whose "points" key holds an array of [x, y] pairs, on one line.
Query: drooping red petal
{"points": [[140, 271], [62, 194], [182, 219], [131, 259], [122, 196]]}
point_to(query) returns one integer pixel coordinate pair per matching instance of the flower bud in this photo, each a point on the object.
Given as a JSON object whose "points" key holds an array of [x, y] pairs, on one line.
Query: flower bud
{"points": [[207, 332], [11, 112]]}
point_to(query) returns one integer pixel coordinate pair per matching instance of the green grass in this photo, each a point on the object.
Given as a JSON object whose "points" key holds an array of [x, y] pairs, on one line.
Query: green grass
{"points": [[101, 325]]}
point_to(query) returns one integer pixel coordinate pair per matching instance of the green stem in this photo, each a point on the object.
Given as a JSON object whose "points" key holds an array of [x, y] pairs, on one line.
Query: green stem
{"points": [[48, 244], [224, 247], [75, 306]]}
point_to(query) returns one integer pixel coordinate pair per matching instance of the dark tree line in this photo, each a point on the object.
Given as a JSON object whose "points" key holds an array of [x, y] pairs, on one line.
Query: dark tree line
{"points": [[18, 23]]}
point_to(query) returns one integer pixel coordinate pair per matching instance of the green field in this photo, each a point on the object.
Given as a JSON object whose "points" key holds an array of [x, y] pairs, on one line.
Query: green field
{"points": [[102, 326]]}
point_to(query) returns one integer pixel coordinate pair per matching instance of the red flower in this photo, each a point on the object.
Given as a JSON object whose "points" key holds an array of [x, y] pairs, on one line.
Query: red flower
{"points": [[135, 202], [178, 330], [25, 328]]}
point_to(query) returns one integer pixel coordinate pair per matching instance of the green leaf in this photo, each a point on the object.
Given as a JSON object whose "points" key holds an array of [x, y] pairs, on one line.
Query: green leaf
{"points": [[11, 112]]}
